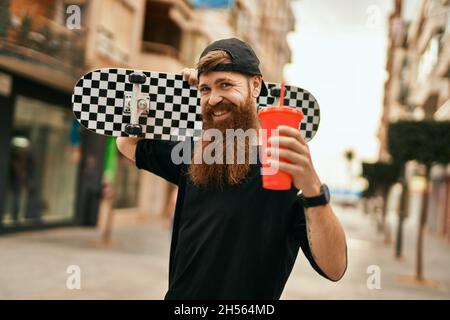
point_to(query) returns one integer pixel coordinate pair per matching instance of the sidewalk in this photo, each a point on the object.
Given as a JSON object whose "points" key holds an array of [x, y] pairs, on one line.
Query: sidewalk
{"points": [[135, 266], [365, 248]]}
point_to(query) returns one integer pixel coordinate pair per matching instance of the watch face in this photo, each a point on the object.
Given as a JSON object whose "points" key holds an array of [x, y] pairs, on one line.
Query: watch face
{"points": [[326, 192]]}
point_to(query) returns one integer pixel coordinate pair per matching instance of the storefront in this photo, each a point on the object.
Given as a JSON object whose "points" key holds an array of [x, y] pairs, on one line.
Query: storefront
{"points": [[50, 170]]}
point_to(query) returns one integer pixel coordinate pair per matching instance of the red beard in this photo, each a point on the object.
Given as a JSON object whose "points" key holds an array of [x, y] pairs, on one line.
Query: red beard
{"points": [[218, 175]]}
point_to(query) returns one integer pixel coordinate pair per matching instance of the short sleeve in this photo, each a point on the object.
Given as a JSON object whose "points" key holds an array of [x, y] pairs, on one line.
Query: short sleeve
{"points": [[155, 156]]}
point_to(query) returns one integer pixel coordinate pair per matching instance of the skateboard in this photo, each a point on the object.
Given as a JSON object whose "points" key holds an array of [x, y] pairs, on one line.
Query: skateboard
{"points": [[154, 105]]}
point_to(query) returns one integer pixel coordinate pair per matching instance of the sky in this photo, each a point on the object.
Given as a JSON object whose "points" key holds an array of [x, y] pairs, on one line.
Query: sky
{"points": [[338, 54]]}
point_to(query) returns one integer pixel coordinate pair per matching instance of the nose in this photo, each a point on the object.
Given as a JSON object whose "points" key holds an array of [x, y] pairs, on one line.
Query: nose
{"points": [[214, 98]]}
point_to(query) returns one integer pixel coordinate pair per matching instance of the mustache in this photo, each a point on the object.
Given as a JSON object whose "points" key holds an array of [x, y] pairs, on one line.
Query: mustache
{"points": [[208, 109]]}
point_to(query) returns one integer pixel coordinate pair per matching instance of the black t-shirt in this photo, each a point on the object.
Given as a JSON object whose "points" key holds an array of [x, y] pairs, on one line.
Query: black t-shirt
{"points": [[236, 243]]}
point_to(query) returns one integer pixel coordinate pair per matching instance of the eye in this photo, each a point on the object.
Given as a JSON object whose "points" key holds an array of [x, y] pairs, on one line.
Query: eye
{"points": [[225, 85], [204, 90]]}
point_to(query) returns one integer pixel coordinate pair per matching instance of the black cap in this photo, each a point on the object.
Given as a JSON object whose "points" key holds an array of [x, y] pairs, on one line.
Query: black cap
{"points": [[244, 59]]}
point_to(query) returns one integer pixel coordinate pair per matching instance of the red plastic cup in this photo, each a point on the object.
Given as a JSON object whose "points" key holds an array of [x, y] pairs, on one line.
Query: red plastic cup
{"points": [[271, 118]]}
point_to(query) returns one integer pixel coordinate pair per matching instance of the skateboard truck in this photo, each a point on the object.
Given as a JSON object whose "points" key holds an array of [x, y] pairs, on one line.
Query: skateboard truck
{"points": [[276, 92], [136, 104]]}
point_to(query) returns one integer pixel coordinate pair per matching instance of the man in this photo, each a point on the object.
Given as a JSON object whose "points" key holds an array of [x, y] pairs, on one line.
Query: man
{"points": [[232, 239]]}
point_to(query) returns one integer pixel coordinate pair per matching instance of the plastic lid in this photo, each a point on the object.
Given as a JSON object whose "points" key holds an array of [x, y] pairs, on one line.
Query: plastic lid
{"points": [[276, 109]]}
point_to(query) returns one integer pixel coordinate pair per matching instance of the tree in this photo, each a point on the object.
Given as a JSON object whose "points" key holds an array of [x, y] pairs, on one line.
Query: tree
{"points": [[349, 155], [427, 142], [380, 177]]}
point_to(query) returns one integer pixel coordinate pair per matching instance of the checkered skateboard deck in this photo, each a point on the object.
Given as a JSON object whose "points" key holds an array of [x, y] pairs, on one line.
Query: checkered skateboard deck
{"points": [[174, 107]]}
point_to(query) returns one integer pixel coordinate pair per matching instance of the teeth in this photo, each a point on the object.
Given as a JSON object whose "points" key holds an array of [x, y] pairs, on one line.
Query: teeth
{"points": [[219, 113]]}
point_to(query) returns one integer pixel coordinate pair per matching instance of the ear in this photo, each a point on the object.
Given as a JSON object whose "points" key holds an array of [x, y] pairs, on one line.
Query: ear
{"points": [[255, 86]]}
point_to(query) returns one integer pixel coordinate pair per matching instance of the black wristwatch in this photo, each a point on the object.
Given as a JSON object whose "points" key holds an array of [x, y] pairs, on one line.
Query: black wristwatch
{"points": [[322, 199]]}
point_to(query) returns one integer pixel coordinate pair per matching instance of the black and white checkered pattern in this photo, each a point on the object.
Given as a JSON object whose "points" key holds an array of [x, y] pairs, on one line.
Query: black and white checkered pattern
{"points": [[175, 112], [298, 98]]}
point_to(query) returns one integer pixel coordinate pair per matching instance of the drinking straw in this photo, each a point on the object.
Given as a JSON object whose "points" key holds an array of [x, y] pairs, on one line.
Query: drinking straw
{"points": [[282, 95]]}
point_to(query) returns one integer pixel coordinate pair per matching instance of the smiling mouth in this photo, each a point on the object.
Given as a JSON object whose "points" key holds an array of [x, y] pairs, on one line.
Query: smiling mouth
{"points": [[219, 115]]}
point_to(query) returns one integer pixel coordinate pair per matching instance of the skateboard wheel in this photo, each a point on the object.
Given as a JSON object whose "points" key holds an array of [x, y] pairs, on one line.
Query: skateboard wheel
{"points": [[133, 129], [275, 92], [137, 78]]}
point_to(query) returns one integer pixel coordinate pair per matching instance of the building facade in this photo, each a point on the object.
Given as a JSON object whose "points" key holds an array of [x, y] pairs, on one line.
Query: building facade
{"points": [[51, 172], [417, 88], [265, 25], [43, 154]]}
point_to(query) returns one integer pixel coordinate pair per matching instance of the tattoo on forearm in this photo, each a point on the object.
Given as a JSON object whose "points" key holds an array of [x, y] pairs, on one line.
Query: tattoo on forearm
{"points": [[309, 236]]}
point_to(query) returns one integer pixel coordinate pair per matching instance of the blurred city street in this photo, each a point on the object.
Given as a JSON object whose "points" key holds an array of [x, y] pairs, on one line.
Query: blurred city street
{"points": [[370, 77], [135, 265]]}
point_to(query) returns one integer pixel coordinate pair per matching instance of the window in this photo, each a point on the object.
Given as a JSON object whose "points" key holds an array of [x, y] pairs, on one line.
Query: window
{"points": [[161, 33], [429, 58], [43, 164]]}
